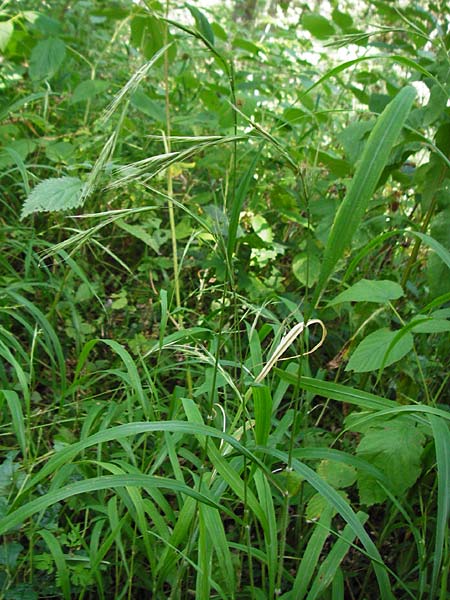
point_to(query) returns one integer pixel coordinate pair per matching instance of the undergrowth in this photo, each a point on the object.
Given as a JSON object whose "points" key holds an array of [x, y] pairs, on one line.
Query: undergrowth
{"points": [[224, 300]]}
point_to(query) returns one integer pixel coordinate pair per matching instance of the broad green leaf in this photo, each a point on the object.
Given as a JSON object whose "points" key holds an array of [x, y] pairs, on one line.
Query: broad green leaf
{"points": [[438, 275], [6, 31], [394, 446], [374, 158], [317, 25], [147, 34], [344, 20], [9, 553], [53, 194], [59, 151], [370, 354], [46, 58], [337, 474], [151, 108], [306, 268], [140, 233], [367, 290], [318, 504], [86, 90]]}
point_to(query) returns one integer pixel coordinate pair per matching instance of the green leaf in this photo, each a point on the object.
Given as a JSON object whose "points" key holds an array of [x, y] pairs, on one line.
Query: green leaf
{"points": [[318, 504], [59, 151], [202, 23], [151, 108], [374, 158], [317, 25], [139, 232], [394, 446], [370, 354], [263, 413], [6, 31], [9, 553], [441, 436], [87, 90], [147, 34], [337, 474], [46, 58], [53, 194], [367, 290], [306, 268], [430, 325]]}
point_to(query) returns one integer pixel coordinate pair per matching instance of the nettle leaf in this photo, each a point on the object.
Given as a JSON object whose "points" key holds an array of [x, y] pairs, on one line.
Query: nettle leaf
{"points": [[370, 291], [393, 446], [317, 25], [374, 351], [55, 194], [46, 58]]}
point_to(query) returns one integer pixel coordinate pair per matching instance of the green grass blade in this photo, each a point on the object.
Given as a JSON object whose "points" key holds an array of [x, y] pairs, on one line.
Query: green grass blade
{"points": [[238, 202], [129, 364], [60, 561], [442, 444], [18, 421], [216, 531], [374, 158], [330, 565], [347, 513], [337, 391], [262, 406]]}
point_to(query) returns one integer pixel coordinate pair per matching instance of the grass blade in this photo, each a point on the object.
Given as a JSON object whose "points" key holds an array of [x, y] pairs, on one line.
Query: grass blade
{"points": [[94, 484], [330, 565], [442, 444], [374, 158]]}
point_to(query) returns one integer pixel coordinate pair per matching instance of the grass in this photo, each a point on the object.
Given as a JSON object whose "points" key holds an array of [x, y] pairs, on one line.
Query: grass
{"points": [[175, 415]]}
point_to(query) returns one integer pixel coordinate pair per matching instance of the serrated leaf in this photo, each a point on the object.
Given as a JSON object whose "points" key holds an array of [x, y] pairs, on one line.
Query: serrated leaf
{"points": [[46, 58], [6, 31], [394, 446], [339, 475], [370, 354], [370, 291], [54, 194], [317, 25]]}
